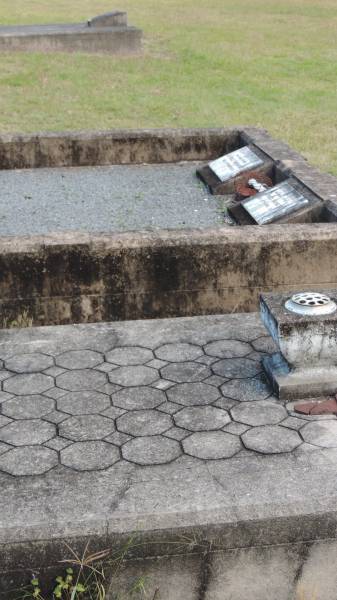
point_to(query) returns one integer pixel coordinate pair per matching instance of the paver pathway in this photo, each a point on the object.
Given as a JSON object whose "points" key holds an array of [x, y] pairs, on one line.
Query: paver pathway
{"points": [[147, 402], [143, 417]]}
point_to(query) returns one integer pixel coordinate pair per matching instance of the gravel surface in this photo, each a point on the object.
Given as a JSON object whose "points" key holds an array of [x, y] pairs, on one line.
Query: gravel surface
{"points": [[111, 198]]}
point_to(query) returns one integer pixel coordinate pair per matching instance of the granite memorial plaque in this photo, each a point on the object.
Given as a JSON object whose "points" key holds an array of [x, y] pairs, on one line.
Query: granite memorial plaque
{"points": [[275, 203], [229, 166]]}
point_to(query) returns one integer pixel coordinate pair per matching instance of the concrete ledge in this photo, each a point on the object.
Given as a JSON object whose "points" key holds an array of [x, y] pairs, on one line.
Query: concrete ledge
{"points": [[78, 277], [107, 34], [134, 146]]}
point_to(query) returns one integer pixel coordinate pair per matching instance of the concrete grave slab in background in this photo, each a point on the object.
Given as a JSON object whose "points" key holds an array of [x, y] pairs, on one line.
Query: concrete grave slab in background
{"points": [[108, 34], [221, 487]]}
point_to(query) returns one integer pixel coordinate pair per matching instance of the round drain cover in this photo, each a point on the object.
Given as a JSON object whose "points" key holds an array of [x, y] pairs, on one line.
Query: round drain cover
{"points": [[311, 303]]}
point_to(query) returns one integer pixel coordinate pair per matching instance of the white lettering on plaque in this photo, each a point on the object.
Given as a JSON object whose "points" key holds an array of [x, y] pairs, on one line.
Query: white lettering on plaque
{"points": [[236, 162], [276, 202]]}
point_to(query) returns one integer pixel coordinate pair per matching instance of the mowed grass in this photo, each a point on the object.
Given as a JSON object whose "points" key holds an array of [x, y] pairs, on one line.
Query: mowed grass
{"points": [[268, 63]]}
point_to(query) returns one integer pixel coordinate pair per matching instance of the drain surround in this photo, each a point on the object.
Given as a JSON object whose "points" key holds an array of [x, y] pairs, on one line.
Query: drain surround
{"points": [[311, 303]]}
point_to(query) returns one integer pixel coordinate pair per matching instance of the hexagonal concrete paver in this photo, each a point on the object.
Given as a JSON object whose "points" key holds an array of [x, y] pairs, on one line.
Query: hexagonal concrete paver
{"points": [[144, 422], [236, 368], [31, 460], [129, 355], [179, 352], [5, 374], [4, 420], [151, 450], [133, 376], [86, 427], [138, 398], [321, 433], [85, 402], [211, 445], [89, 456], [79, 359], [185, 372], [264, 344], [262, 412], [4, 448], [32, 383], [246, 390], [228, 349], [29, 363], [81, 379], [28, 407], [271, 439], [193, 394], [201, 418], [27, 432]]}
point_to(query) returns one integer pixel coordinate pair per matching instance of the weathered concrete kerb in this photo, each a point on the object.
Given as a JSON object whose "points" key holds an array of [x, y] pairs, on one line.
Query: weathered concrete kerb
{"points": [[106, 34], [81, 277], [164, 431]]}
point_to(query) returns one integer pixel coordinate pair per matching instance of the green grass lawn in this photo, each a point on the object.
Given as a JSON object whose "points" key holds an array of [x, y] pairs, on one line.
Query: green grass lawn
{"points": [[269, 63]]}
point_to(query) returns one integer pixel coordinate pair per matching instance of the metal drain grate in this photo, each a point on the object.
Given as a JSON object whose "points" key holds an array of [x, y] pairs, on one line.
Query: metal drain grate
{"points": [[311, 303]]}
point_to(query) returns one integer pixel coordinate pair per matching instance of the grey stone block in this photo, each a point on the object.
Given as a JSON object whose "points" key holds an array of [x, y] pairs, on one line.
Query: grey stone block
{"points": [[246, 390], [322, 433], [81, 379], [212, 445], [299, 383], [104, 34], [228, 349], [144, 422], [129, 355], [261, 412], [30, 460], [28, 407], [133, 376], [23, 385], [180, 352], [83, 403], [29, 363], [306, 365], [193, 394], [79, 359], [271, 439], [89, 456], [236, 368], [86, 427], [201, 418], [139, 398], [185, 372], [153, 450], [27, 432]]}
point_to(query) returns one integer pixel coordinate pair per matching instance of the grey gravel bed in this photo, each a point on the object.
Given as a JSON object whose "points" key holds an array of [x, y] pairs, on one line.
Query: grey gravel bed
{"points": [[109, 198]]}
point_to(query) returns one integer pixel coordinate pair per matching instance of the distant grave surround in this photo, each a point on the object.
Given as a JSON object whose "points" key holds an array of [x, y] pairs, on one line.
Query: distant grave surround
{"points": [[108, 33], [80, 275]]}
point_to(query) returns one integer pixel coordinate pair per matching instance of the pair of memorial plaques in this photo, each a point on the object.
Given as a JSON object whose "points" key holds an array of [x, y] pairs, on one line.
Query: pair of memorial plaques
{"points": [[267, 206]]}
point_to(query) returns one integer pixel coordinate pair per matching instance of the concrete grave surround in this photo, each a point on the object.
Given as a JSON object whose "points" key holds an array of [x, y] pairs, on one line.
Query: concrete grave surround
{"points": [[83, 275], [149, 428], [105, 34], [306, 364]]}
